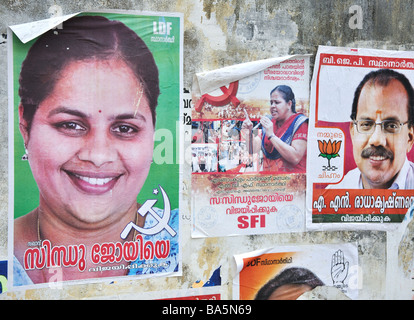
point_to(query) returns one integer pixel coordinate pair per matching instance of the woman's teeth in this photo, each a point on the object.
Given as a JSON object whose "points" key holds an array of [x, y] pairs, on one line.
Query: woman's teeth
{"points": [[94, 181]]}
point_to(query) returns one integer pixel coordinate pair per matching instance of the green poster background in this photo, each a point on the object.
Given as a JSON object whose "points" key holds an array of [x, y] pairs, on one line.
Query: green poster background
{"points": [[165, 168]]}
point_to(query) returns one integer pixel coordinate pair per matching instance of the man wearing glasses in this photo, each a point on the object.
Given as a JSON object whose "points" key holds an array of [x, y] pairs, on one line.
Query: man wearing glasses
{"points": [[382, 133]]}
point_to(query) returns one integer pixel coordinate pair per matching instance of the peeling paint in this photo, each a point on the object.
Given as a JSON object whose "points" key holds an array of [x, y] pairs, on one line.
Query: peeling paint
{"points": [[208, 25], [324, 293], [406, 250], [210, 251]]}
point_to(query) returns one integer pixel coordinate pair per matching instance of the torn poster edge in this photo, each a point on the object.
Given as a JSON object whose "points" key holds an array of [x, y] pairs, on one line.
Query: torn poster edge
{"points": [[208, 81], [31, 30]]}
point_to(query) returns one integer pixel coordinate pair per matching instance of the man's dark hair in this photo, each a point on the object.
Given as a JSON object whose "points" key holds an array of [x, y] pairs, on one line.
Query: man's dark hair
{"points": [[297, 276], [383, 77]]}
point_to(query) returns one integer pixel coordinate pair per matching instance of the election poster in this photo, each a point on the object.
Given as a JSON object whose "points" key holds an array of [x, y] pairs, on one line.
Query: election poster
{"points": [[287, 272], [360, 139], [198, 294], [400, 274], [248, 148], [94, 107], [3, 276]]}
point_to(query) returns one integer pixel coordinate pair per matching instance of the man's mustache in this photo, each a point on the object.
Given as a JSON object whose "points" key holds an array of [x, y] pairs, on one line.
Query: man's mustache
{"points": [[379, 151]]}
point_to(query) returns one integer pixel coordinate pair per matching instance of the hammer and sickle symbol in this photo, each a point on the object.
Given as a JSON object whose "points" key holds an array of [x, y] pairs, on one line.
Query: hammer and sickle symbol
{"points": [[229, 95], [162, 224]]}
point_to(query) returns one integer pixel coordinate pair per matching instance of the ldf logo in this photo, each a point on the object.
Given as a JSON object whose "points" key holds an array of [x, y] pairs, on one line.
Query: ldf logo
{"points": [[162, 28], [253, 263]]}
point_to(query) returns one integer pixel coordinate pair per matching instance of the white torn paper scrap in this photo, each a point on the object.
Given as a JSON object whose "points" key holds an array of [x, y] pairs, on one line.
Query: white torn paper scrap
{"points": [[29, 31], [205, 82]]}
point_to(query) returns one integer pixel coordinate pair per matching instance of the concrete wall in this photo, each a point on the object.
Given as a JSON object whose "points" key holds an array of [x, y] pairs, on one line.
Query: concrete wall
{"points": [[220, 33]]}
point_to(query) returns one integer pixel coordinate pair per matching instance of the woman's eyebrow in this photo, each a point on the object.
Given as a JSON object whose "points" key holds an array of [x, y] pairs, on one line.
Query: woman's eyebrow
{"points": [[80, 114], [126, 116], [66, 110]]}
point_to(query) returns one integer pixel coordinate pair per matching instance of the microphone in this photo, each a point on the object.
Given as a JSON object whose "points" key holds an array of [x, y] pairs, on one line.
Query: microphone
{"points": [[259, 125]]}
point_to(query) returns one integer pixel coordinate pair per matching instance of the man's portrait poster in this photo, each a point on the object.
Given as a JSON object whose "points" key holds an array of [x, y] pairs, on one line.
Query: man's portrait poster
{"points": [[361, 135]]}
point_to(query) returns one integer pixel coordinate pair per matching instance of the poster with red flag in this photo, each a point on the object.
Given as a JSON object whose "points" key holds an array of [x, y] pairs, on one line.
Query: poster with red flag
{"points": [[360, 139], [248, 148]]}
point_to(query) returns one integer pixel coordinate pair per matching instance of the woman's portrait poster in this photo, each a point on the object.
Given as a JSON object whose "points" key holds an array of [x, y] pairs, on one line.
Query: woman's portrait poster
{"points": [[94, 165], [288, 272]]}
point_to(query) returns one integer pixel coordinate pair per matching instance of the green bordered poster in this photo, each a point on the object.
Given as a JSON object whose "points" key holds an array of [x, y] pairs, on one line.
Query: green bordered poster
{"points": [[94, 157]]}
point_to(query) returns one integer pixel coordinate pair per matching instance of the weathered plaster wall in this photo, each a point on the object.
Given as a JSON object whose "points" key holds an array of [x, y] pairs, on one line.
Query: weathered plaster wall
{"points": [[220, 33]]}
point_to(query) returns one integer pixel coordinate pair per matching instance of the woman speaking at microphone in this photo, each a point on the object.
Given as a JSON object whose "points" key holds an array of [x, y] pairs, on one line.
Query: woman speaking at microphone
{"points": [[285, 134]]}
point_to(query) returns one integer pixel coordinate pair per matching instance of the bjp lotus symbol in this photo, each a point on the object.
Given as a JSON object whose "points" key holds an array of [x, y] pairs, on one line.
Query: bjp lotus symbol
{"points": [[329, 150]]}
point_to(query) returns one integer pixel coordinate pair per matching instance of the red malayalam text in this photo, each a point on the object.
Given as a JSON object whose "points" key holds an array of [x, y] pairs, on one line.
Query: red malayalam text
{"points": [[58, 256], [130, 250]]}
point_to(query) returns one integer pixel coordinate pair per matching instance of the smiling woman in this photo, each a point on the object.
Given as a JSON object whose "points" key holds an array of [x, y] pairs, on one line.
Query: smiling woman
{"points": [[94, 146], [87, 118]]}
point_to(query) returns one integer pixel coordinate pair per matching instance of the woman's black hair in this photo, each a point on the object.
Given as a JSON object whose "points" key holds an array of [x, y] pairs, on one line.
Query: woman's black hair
{"points": [[80, 39], [298, 276], [287, 94]]}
